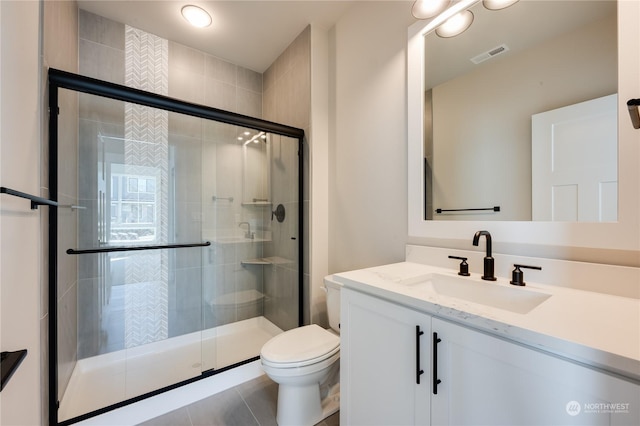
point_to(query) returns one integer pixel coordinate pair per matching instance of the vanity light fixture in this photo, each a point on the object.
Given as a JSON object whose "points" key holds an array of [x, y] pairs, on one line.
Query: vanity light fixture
{"points": [[196, 16], [498, 4], [460, 18], [455, 25], [425, 9]]}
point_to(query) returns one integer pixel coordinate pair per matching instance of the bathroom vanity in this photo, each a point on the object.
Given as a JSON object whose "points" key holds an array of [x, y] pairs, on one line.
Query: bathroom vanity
{"points": [[421, 344]]}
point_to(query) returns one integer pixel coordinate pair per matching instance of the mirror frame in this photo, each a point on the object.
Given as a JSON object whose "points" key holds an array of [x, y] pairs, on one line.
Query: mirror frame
{"points": [[621, 235]]}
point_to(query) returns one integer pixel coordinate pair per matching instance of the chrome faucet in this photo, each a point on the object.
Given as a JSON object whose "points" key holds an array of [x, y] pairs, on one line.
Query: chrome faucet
{"points": [[488, 260], [247, 234]]}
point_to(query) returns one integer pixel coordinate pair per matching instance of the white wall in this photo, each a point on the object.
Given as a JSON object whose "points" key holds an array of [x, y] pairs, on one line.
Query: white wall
{"points": [[20, 227], [318, 187], [368, 136]]}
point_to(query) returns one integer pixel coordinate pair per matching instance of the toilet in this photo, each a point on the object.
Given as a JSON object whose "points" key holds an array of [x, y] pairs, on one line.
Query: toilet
{"points": [[305, 363]]}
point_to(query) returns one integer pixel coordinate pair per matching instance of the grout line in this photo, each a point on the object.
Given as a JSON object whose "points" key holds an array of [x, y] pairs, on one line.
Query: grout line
{"points": [[246, 404], [189, 414]]}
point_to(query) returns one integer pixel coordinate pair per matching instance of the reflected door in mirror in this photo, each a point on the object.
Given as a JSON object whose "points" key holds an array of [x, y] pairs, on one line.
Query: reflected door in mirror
{"points": [[574, 162]]}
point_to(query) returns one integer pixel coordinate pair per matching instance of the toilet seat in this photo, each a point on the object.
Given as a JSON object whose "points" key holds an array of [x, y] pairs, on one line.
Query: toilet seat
{"points": [[299, 347]]}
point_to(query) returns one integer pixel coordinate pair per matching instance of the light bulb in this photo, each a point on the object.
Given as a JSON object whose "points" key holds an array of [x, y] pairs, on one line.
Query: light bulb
{"points": [[455, 25], [498, 4], [196, 16], [425, 9]]}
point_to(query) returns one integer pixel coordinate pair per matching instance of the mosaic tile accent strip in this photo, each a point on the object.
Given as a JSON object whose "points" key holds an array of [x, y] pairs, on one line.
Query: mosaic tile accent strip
{"points": [[147, 147]]}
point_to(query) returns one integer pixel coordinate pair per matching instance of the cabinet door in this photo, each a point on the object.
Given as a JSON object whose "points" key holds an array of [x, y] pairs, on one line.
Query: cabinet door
{"points": [[489, 381], [379, 364]]}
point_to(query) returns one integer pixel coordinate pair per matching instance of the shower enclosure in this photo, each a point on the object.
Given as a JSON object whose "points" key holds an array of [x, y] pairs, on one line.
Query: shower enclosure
{"points": [[175, 253]]}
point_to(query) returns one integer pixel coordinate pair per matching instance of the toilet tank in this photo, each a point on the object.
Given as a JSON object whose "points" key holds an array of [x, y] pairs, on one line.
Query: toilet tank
{"points": [[333, 288]]}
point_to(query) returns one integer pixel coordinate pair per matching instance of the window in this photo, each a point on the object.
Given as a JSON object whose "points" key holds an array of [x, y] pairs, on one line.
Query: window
{"points": [[133, 206]]}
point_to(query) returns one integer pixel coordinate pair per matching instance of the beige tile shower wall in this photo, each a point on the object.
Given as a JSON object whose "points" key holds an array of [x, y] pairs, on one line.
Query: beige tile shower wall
{"points": [[287, 100], [287, 82], [211, 148], [101, 55], [197, 77], [60, 51], [200, 78]]}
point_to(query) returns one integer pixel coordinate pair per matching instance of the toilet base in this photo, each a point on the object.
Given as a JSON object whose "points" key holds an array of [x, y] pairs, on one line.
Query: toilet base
{"points": [[301, 405], [298, 405]]}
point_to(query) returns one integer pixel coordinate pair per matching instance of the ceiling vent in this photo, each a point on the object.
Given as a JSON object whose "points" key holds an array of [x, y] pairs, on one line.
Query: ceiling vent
{"points": [[490, 53]]}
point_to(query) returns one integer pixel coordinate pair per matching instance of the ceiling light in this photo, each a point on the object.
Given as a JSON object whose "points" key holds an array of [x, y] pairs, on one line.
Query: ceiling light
{"points": [[498, 4], [196, 16], [425, 9], [455, 25]]}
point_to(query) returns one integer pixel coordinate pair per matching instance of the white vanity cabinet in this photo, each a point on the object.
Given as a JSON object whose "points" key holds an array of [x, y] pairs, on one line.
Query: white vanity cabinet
{"points": [[483, 379], [378, 356], [486, 380]]}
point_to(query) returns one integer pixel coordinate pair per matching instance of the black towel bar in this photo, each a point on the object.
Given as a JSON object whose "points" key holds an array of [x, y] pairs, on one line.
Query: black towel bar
{"points": [[35, 201], [495, 209], [136, 248]]}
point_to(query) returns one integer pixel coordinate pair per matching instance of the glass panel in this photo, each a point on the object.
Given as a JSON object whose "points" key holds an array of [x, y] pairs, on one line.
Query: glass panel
{"points": [[138, 321], [139, 312], [250, 276]]}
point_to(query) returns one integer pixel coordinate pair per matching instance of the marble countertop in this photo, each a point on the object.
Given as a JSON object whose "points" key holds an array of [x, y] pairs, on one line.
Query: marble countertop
{"points": [[596, 329]]}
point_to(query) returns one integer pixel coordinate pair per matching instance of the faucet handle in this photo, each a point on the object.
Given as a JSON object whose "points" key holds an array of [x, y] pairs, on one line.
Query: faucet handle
{"points": [[464, 266], [517, 276]]}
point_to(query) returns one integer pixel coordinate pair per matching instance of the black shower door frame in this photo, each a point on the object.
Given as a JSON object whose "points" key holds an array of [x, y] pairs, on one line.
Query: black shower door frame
{"points": [[59, 79]]}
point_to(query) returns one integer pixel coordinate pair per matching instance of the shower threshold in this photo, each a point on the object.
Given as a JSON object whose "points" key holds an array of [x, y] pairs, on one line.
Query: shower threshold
{"points": [[109, 379]]}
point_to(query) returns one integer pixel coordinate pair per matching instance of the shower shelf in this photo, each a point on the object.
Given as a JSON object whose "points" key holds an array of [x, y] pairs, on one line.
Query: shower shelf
{"points": [[273, 260], [256, 203]]}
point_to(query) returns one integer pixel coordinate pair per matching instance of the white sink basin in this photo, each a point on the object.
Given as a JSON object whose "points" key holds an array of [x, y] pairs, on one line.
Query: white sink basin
{"points": [[510, 298]]}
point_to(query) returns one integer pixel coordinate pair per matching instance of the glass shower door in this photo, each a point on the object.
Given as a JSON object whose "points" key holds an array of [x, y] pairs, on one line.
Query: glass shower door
{"points": [[251, 272], [139, 254], [180, 243]]}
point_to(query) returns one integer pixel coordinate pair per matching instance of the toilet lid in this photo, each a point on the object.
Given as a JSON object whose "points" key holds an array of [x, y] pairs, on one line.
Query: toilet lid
{"points": [[301, 346]]}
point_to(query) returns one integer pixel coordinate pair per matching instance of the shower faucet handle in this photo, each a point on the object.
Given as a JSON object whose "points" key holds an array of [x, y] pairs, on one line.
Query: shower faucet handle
{"points": [[248, 234], [464, 266]]}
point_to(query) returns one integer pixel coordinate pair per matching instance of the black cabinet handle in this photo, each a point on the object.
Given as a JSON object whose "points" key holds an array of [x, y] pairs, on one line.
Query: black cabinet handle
{"points": [[419, 372], [436, 381]]}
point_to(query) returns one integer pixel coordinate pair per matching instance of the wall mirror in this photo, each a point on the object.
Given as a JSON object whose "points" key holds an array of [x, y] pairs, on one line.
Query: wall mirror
{"points": [[483, 88], [470, 125]]}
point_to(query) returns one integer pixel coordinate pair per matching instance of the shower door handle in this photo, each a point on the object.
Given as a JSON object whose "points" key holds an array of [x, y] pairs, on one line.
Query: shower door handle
{"points": [[111, 249]]}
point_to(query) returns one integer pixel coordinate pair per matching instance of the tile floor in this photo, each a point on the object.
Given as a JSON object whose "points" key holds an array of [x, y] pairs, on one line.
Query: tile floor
{"points": [[249, 404]]}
